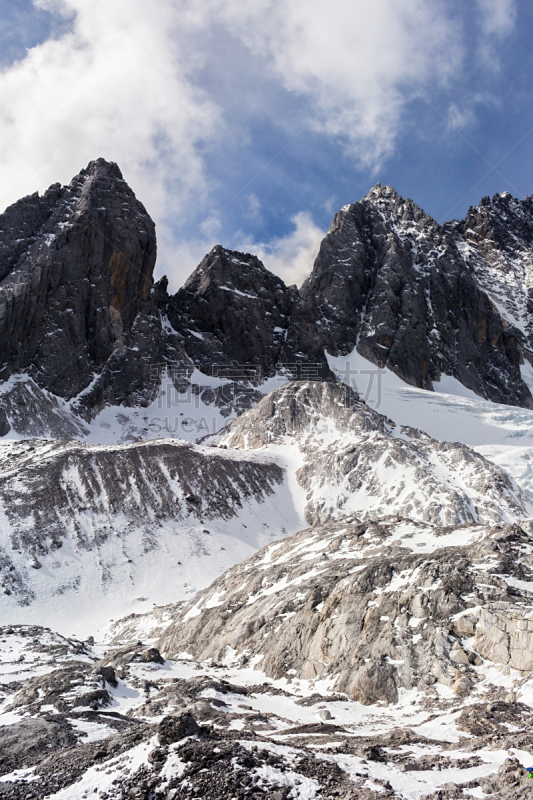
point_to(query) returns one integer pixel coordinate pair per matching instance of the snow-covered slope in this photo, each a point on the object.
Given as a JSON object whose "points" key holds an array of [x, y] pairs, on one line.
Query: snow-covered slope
{"points": [[188, 409], [502, 434], [89, 533], [347, 458]]}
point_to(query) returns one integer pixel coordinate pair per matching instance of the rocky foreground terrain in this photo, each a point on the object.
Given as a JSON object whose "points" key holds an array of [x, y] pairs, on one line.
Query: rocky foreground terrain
{"points": [[351, 660], [223, 573]]}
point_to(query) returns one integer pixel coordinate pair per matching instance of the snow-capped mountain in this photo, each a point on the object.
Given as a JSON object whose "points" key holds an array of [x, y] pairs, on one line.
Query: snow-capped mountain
{"points": [[107, 521], [369, 434], [86, 330], [416, 297]]}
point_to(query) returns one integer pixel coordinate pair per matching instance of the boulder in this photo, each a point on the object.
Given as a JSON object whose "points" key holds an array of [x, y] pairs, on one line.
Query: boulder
{"points": [[173, 729]]}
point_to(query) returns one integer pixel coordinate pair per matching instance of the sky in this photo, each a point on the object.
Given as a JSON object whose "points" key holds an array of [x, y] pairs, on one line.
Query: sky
{"points": [[251, 122]]}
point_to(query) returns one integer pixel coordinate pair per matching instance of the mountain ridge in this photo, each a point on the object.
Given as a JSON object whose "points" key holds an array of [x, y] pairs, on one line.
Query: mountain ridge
{"points": [[423, 299], [392, 283], [282, 593]]}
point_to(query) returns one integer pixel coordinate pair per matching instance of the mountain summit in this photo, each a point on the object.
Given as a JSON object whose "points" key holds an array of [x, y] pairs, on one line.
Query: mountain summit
{"points": [[76, 268], [84, 327], [413, 295]]}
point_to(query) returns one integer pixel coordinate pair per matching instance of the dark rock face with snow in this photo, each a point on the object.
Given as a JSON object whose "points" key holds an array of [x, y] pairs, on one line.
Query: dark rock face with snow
{"points": [[392, 281], [499, 247], [80, 315], [423, 299], [76, 270], [234, 311]]}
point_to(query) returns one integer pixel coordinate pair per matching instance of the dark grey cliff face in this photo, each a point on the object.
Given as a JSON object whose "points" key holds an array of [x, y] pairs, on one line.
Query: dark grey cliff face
{"points": [[80, 314], [233, 310], [498, 238], [75, 275], [391, 281]]}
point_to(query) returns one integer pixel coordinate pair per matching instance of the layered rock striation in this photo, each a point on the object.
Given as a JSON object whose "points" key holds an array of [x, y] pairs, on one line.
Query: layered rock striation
{"points": [[114, 522]]}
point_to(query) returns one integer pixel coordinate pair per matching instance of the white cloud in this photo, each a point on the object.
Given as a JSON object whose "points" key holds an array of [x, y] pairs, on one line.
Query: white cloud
{"points": [[358, 63], [116, 86], [121, 81], [460, 117], [253, 210], [497, 19], [291, 256], [497, 16]]}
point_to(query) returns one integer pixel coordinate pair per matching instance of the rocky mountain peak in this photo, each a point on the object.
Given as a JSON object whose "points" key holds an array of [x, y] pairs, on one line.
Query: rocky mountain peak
{"points": [[503, 221], [100, 168], [232, 270], [241, 313], [403, 290], [76, 268], [290, 411], [379, 191], [397, 208]]}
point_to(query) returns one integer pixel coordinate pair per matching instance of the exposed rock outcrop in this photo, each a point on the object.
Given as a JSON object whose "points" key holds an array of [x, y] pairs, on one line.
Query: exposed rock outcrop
{"points": [[352, 459], [76, 270], [504, 634], [233, 311], [379, 608], [391, 281]]}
